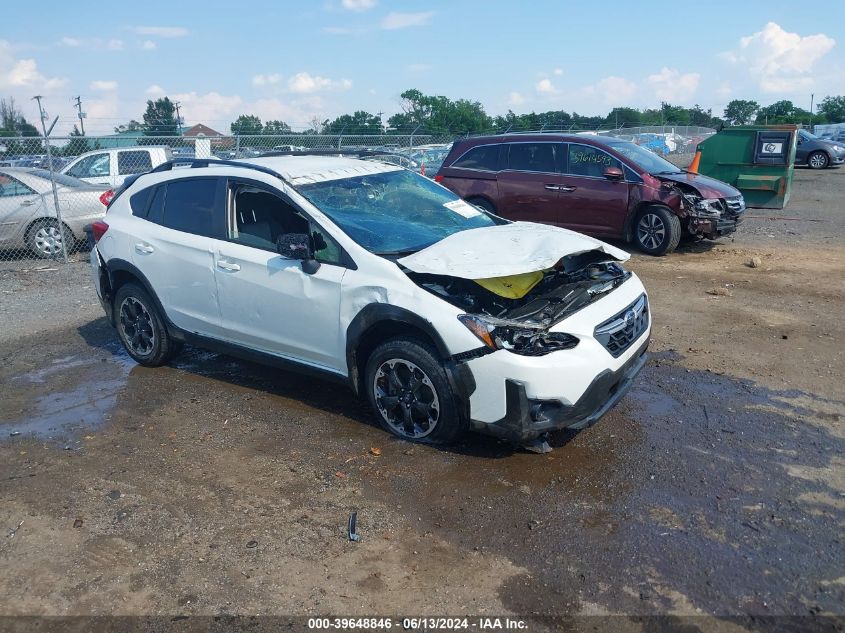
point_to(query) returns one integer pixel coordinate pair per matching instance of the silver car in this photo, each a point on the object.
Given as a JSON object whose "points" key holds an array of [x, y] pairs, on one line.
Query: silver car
{"points": [[28, 211]]}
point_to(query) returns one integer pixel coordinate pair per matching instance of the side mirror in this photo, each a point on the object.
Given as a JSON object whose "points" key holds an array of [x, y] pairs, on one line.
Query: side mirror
{"points": [[614, 173], [298, 246]]}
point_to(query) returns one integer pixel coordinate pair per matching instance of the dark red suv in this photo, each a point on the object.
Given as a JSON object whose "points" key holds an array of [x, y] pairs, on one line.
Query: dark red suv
{"points": [[597, 185]]}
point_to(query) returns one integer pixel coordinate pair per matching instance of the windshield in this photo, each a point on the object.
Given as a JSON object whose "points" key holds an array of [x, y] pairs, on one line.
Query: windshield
{"points": [[395, 212], [431, 158], [646, 160], [61, 179]]}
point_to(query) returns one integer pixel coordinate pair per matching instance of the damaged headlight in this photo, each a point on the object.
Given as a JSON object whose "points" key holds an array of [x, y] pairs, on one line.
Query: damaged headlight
{"points": [[517, 337], [707, 207]]}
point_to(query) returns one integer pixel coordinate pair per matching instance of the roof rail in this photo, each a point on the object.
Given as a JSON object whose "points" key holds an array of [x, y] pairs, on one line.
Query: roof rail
{"points": [[327, 152], [213, 162]]}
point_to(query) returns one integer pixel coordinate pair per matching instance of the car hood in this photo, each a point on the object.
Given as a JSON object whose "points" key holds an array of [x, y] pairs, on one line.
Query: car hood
{"points": [[507, 249], [706, 186]]}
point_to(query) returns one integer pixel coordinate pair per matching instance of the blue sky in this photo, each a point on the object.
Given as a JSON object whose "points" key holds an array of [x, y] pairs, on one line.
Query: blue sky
{"points": [[297, 60]]}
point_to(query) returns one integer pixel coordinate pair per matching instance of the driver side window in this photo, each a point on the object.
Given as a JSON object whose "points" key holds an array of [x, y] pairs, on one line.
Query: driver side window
{"points": [[258, 218], [94, 166]]}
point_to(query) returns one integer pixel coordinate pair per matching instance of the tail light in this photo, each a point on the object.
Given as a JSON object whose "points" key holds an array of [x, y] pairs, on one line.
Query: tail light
{"points": [[106, 198], [98, 229], [438, 178], [422, 169]]}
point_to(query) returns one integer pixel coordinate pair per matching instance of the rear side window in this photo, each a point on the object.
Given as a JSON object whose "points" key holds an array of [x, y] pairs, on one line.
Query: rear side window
{"points": [[586, 160], [483, 157], [139, 202], [189, 206], [133, 162], [537, 157]]}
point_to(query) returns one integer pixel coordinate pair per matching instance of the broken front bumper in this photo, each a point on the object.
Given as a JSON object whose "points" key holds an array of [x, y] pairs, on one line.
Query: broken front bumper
{"points": [[527, 418]]}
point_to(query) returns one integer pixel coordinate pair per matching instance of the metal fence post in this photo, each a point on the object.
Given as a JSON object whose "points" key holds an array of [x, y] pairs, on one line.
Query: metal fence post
{"points": [[53, 178]]}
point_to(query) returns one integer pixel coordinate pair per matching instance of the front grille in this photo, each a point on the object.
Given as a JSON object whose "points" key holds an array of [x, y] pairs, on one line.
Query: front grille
{"points": [[622, 329], [736, 205]]}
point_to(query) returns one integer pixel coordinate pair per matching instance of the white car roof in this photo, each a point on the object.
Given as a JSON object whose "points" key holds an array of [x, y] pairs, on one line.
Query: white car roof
{"points": [[303, 170]]}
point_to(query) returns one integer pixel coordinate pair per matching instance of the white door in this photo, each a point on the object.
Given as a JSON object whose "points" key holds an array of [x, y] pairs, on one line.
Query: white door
{"points": [[268, 302], [174, 248]]}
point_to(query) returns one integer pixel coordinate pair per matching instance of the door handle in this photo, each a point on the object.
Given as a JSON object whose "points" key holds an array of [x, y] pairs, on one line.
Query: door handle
{"points": [[567, 189], [226, 265], [552, 187], [27, 203], [143, 249]]}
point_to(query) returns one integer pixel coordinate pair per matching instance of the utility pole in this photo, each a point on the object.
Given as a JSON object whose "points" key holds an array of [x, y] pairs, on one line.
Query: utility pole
{"points": [[81, 114], [61, 227], [812, 95], [176, 104]]}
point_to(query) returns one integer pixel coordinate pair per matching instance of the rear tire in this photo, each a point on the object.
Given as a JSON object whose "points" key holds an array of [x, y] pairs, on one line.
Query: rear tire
{"points": [[409, 392], [818, 160], [44, 239], [141, 328], [657, 231]]}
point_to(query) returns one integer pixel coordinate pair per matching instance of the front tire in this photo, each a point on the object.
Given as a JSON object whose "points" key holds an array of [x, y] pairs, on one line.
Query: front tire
{"points": [[818, 160], [657, 231], [141, 328], [409, 392]]}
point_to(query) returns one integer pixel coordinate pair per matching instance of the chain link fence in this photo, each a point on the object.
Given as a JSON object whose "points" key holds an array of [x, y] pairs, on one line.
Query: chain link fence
{"points": [[48, 195]]}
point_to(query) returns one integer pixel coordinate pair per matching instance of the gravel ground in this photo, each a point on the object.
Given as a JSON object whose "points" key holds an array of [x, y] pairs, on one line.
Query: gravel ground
{"points": [[217, 487]]}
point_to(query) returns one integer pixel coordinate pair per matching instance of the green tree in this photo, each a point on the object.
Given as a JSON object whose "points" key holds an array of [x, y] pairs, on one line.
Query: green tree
{"points": [[246, 124], [438, 114], [360, 122], [740, 111], [13, 123], [132, 126], [782, 112], [77, 145], [160, 118], [276, 127], [833, 109]]}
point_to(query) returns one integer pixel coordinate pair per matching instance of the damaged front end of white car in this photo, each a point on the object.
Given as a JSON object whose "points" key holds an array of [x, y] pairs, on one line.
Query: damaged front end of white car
{"points": [[526, 292]]}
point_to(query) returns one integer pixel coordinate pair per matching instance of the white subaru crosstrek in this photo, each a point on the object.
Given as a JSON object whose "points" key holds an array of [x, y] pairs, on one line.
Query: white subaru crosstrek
{"points": [[445, 317]]}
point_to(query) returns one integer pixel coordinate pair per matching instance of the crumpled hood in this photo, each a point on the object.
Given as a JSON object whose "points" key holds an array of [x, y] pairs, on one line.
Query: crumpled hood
{"points": [[506, 249], [706, 186]]}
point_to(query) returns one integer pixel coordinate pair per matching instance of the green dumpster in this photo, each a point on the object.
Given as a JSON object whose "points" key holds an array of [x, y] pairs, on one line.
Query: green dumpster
{"points": [[758, 160]]}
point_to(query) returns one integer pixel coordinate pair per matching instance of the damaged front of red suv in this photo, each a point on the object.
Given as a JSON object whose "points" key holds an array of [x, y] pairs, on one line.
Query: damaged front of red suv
{"points": [[707, 207]]}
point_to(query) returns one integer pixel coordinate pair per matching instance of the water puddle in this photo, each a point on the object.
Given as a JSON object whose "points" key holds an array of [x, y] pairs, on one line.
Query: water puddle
{"points": [[70, 395]]}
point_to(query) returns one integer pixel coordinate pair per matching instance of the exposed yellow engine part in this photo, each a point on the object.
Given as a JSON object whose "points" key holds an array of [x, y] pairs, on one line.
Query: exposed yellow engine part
{"points": [[512, 286]]}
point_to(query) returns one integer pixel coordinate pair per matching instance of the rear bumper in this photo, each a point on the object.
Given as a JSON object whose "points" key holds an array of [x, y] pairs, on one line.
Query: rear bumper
{"points": [[527, 418]]}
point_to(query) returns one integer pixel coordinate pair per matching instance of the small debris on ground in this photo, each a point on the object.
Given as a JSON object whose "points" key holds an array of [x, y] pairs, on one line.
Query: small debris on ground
{"points": [[719, 292], [352, 526], [754, 262], [375, 451], [77, 523], [252, 544]]}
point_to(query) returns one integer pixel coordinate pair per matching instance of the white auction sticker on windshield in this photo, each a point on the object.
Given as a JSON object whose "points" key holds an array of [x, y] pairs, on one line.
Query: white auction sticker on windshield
{"points": [[462, 208]]}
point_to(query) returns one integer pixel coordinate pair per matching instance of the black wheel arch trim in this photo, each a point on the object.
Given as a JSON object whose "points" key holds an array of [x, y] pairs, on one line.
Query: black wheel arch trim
{"points": [[116, 265], [461, 379]]}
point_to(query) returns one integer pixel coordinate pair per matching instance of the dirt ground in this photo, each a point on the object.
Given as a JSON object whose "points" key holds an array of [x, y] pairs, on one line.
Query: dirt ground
{"points": [[217, 487]]}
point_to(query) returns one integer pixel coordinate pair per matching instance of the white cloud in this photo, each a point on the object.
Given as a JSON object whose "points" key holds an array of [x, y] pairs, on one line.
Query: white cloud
{"points": [[780, 61], [155, 91], [162, 31], [148, 45], [558, 71], [724, 90], [545, 86], [672, 86], [21, 78], [266, 80], [612, 91], [306, 83], [358, 5], [515, 99], [211, 108], [103, 86], [93, 43], [395, 20]]}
